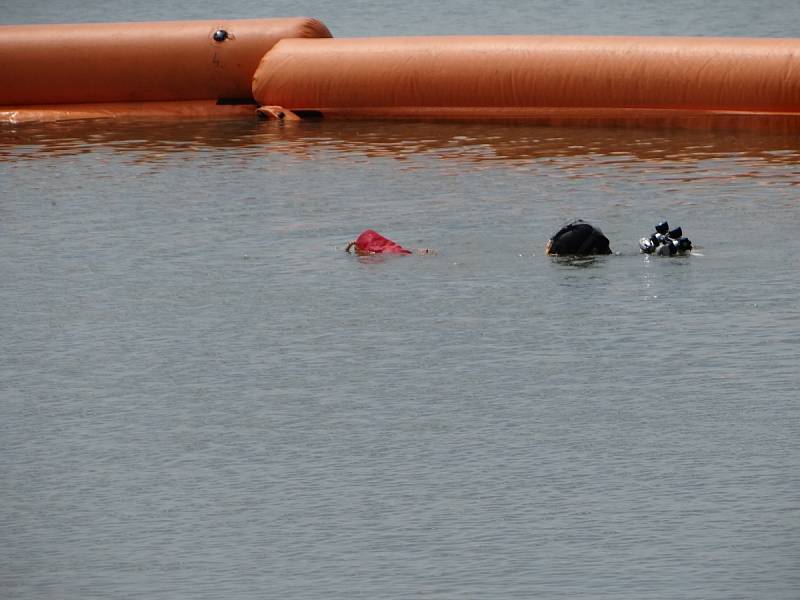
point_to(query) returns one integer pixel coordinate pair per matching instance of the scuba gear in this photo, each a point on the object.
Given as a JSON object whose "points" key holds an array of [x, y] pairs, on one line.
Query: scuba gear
{"points": [[666, 242]]}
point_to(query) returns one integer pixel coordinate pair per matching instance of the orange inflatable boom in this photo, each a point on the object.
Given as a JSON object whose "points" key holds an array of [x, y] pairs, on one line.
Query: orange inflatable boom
{"points": [[197, 68], [629, 81], [293, 68]]}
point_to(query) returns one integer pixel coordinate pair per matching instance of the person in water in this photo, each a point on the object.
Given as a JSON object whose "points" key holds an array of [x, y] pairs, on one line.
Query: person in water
{"points": [[666, 242], [372, 242], [578, 238]]}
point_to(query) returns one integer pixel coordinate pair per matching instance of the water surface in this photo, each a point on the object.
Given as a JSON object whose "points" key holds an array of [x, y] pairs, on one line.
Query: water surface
{"points": [[203, 396]]}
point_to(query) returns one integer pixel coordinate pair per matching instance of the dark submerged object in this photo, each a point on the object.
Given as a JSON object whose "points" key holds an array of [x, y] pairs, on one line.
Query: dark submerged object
{"points": [[578, 238], [666, 242]]}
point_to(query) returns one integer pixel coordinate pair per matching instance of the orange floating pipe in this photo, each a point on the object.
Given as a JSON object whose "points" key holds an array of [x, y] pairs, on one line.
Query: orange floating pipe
{"points": [[673, 81], [291, 66], [61, 65]]}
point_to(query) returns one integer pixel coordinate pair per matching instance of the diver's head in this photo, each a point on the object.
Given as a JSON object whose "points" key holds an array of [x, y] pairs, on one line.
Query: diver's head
{"points": [[578, 238]]}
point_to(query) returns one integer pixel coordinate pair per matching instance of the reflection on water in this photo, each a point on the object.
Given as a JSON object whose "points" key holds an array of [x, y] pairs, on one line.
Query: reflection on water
{"points": [[464, 142]]}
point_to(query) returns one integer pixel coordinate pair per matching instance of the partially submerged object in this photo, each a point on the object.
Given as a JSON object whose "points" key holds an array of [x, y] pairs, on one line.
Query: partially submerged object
{"points": [[578, 238], [666, 241], [372, 242], [290, 69]]}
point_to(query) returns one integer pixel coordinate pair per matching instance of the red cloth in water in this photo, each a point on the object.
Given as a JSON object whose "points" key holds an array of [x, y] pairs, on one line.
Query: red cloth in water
{"points": [[372, 242]]}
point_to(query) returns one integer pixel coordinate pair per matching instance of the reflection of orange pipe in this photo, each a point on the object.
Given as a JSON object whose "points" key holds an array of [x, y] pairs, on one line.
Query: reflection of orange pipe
{"points": [[137, 62], [693, 82], [471, 144]]}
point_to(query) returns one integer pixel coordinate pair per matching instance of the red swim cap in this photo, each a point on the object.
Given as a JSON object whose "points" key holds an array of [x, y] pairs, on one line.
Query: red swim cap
{"points": [[372, 242]]}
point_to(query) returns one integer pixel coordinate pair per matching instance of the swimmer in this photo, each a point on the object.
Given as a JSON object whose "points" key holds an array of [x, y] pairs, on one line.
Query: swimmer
{"points": [[578, 238], [666, 242], [372, 242]]}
